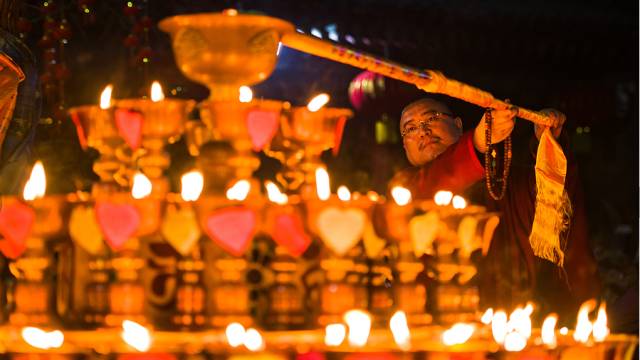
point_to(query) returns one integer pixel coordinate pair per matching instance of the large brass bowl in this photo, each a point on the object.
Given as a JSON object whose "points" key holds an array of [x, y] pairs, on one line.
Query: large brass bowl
{"points": [[224, 51]]}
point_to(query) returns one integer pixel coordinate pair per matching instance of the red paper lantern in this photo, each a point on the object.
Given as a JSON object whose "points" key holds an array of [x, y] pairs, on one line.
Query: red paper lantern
{"points": [[366, 87]]}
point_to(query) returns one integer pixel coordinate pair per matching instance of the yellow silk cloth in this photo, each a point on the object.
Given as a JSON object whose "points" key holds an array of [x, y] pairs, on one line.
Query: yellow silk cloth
{"points": [[10, 77], [553, 207]]}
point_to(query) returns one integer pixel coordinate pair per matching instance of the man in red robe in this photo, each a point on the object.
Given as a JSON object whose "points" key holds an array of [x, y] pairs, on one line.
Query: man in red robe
{"points": [[446, 158]]}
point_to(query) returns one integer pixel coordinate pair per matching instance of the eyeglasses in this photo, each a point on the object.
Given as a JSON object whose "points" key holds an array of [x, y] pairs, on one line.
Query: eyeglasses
{"points": [[412, 128]]}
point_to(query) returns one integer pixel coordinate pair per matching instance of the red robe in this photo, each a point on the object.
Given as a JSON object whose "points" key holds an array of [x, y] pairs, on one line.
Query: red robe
{"points": [[510, 273]]}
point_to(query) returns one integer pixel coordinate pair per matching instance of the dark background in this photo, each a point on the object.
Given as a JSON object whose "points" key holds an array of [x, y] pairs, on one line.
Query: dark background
{"points": [[580, 57]]}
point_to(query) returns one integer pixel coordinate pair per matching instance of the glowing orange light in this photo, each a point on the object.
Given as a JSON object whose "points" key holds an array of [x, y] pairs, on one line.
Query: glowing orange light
{"points": [[156, 92], [37, 183], [323, 188], [318, 102], [401, 195], [105, 97]]}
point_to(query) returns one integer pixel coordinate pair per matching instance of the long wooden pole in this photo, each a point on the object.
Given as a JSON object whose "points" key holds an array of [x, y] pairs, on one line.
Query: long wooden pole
{"points": [[428, 80]]}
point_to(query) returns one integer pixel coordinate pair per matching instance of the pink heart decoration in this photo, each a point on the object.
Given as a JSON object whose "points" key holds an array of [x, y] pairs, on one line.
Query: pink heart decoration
{"points": [[16, 221], [290, 233], [262, 126], [117, 222], [232, 228], [129, 124]]}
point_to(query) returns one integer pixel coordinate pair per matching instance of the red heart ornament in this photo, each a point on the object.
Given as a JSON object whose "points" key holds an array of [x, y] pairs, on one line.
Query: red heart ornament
{"points": [[232, 228], [262, 126], [16, 221], [117, 221], [129, 124], [290, 233]]}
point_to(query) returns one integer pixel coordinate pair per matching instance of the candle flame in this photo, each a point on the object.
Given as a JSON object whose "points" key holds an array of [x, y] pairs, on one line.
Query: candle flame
{"points": [[359, 323], [192, 184], [564, 330], [274, 194], [318, 102], [136, 335], [548, 332], [373, 196], [41, 339], [487, 316], [400, 330], [141, 186], [458, 334], [235, 334], [323, 187], [514, 341], [334, 334], [239, 190], [583, 325], [499, 326], [105, 97], [459, 202], [443, 198], [253, 340], [529, 308], [519, 321], [600, 328], [37, 183], [246, 95], [156, 92], [343, 193], [402, 196]]}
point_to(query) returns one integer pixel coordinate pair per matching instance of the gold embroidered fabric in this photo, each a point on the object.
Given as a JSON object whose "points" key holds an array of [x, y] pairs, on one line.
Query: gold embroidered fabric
{"points": [[553, 207], [10, 77]]}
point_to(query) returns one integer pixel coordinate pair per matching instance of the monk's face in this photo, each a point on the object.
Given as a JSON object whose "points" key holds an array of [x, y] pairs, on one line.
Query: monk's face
{"points": [[428, 129]]}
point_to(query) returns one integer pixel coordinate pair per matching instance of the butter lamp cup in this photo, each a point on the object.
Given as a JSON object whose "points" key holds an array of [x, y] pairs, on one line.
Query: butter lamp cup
{"points": [[163, 123], [224, 51]]}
